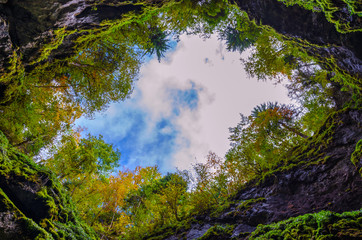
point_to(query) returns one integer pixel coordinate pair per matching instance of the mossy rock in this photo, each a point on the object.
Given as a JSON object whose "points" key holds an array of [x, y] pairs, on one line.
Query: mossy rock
{"points": [[218, 232], [33, 204], [321, 225]]}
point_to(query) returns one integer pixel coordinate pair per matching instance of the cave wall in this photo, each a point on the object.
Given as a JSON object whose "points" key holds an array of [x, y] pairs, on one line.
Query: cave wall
{"points": [[298, 23], [33, 203], [26, 26], [319, 176]]}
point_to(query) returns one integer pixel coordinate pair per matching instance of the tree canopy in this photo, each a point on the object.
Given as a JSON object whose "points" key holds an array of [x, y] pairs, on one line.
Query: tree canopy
{"points": [[41, 99]]}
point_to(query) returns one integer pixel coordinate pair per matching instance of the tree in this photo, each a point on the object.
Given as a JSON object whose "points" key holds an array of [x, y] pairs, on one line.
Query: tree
{"points": [[115, 213], [271, 116], [76, 160], [158, 40], [174, 192], [259, 141], [238, 31], [37, 116], [158, 203]]}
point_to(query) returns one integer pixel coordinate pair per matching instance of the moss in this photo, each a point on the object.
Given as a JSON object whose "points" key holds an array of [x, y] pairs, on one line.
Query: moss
{"points": [[177, 228], [321, 225], [18, 80], [247, 204], [311, 152], [13, 78], [59, 36], [357, 156], [218, 209], [323, 56], [137, 13], [28, 227], [244, 207], [218, 232], [340, 13], [46, 211]]}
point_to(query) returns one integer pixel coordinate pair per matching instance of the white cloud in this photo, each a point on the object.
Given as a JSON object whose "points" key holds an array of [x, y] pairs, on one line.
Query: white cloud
{"points": [[223, 92]]}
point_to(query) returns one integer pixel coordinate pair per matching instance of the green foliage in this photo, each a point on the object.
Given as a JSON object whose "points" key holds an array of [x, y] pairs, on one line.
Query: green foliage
{"points": [[312, 75], [340, 13], [159, 204], [76, 160], [196, 17], [218, 232], [259, 140], [356, 156], [312, 151], [36, 117], [321, 225], [159, 44], [101, 69], [238, 31], [60, 220], [213, 183], [37, 105], [274, 116], [76, 155], [40, 105], [13, 79], [268, 59]]}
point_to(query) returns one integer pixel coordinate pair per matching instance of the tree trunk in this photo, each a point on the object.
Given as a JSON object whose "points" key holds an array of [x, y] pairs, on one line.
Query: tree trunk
{"points": [[295, 131]]}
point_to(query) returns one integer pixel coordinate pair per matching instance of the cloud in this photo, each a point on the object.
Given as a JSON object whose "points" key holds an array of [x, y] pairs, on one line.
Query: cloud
{"points": [[182, 108]]}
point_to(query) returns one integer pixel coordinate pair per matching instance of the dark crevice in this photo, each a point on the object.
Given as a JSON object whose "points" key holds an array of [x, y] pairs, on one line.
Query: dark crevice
{"points": [[24, 196]]}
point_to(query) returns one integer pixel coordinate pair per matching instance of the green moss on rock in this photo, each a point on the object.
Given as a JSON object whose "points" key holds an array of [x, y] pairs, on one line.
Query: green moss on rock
{"points": [[247, 204], [356, 156], [33, 204], [340, 13], [321, 225], [218, 232]]}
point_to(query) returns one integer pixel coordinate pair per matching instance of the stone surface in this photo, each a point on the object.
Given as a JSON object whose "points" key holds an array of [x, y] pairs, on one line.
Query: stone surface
{"points": [[31, 198], [27, 25], [298, 23], [334, 185]]}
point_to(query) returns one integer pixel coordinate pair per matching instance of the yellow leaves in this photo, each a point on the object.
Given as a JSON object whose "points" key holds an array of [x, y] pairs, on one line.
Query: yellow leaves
{"points": [[121, 223], [105, 200], [119, 186]]}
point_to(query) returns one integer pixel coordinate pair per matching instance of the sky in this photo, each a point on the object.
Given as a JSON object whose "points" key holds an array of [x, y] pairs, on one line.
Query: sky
{"points": [[182, 108]]}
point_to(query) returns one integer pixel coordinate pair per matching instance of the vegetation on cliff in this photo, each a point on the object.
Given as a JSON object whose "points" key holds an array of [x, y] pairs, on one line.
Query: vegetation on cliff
{"points": [[34, 204], [321, 225], [79, 69]]}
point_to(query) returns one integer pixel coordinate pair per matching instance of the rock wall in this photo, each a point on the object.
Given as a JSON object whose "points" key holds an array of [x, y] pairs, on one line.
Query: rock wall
{"points": [[317, 177], [298, 23], [33, 204], [26, 26]]}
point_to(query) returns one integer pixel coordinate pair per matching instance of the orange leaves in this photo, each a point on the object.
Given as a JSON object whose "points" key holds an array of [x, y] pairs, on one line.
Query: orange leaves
{"points": [[119, 186], [113, 196], [259, 141]]}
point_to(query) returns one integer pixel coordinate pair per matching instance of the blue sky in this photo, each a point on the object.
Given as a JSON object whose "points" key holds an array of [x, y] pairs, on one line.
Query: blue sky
{"points": [[182, 107]]}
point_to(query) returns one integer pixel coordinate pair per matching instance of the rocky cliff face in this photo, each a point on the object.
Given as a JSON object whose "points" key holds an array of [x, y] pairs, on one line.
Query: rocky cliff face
{"points": [[33, 204], [26, 26], [319, 176], [298, 23]]}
